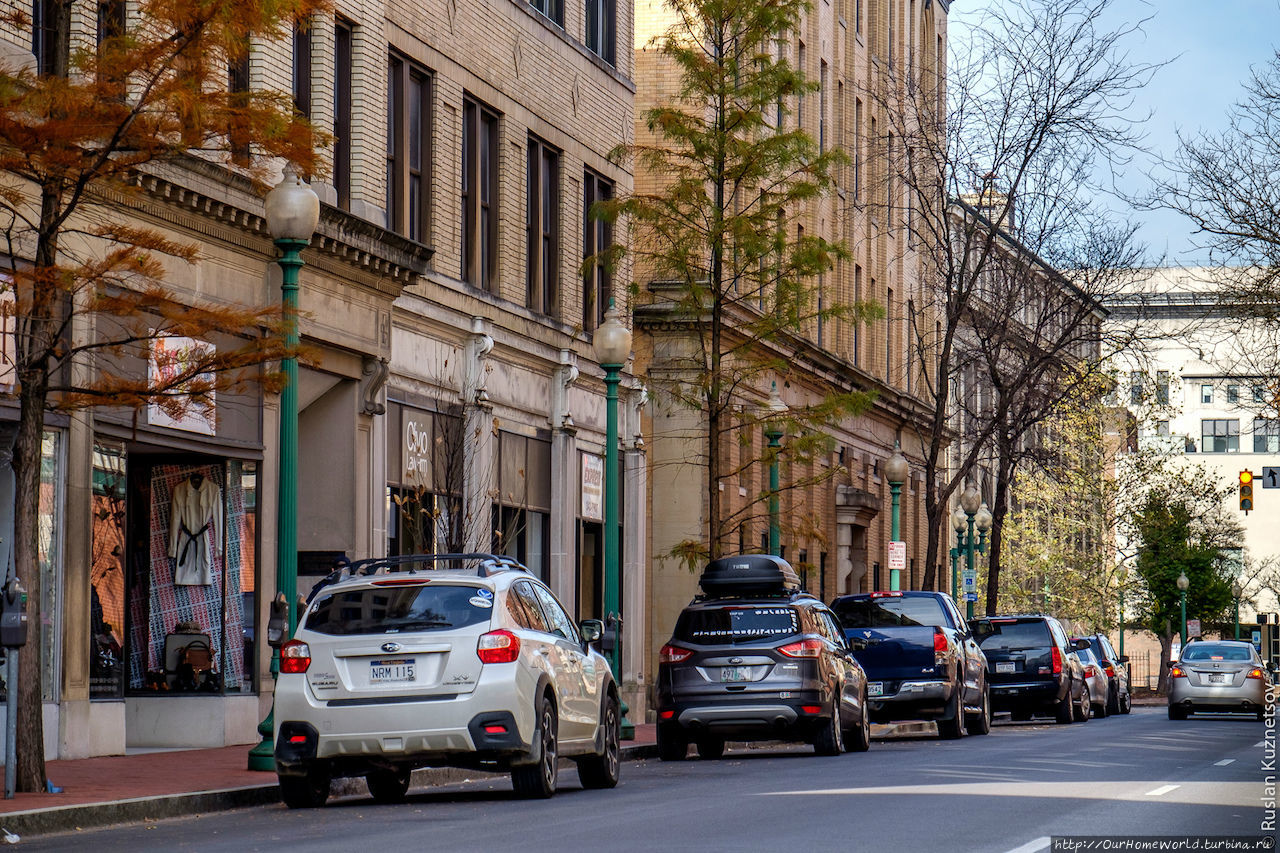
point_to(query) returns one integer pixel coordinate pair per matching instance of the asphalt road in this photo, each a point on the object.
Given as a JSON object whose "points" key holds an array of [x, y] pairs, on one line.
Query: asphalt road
{"points": [[1140, 774]]}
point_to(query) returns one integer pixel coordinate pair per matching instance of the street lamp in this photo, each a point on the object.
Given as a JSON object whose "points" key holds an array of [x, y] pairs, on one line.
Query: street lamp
{"points": [[612, 343], [895, 471], [293, 212], [1236, 592], [972, 512], [959, 521], [1183, 583], [1121, 577], [773, 433]]}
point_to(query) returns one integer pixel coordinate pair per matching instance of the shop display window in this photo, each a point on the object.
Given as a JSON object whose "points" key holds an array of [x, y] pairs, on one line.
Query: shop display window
{"points": [[107, 573]]}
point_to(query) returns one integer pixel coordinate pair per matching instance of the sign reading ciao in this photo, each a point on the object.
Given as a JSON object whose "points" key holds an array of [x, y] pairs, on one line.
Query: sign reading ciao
{"points": [[417, 449]]}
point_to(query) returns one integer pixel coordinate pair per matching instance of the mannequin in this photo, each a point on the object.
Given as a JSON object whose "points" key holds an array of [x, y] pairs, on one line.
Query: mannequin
{"points": [[195, 523]]}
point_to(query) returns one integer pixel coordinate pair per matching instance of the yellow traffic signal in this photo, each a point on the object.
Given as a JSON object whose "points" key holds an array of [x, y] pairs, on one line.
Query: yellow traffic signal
{"points": [[1246, 491]]}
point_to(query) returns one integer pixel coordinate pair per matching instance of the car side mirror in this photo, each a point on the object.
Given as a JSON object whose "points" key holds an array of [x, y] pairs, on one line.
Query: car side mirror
{"points": [[1123, 658], [592, 630]]}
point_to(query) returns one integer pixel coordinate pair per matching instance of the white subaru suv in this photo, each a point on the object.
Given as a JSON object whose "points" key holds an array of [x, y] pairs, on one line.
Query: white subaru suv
{"points": [[459, 660]]}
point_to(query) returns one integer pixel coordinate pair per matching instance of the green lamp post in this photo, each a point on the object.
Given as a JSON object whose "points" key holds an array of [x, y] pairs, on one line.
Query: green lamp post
{"points": [[959, 521], [1236, 591], [895, 472], [1122, 576], [1183, 583], [293, 211], [612, 344], [773, 434]]}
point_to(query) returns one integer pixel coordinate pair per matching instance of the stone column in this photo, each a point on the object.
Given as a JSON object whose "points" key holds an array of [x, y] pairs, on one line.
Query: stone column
{"points": [[564, 483], [478, 440]]}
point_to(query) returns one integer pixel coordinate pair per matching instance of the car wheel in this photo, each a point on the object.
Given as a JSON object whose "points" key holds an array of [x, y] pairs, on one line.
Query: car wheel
{"points": [[1113, 701], [859, 739], [953, 728], [1177, 712], [602, 770], [1081, 711], [1100, 711], [388, 786], [1065, 711], [1127, 704], [980, 723], [538, 780], [672, 745], [830, 738], [305, 792], [710, 748]]}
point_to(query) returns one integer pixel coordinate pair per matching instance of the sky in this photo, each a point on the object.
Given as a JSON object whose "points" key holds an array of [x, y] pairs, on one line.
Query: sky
{"points": [[1210, 47]]}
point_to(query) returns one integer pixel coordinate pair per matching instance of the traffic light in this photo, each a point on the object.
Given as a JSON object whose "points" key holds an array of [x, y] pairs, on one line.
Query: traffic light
{"points": [[1246, 491]]}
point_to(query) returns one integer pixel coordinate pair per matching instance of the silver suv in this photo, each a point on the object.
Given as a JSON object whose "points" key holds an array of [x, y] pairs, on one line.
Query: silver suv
{"points": [[461, 660]]}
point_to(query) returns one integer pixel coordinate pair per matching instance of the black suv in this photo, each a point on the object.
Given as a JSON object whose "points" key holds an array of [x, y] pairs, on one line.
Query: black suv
{"points": [[754, 658], [1031, 669], [1119, 700]]}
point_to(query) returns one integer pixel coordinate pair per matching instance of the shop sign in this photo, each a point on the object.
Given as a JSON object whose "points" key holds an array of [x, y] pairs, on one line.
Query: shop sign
{"points": [[416, 435], [172, 356], [592, 487]]}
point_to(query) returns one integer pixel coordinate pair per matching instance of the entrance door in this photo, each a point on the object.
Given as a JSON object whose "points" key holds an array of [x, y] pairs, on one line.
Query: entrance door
{"points": [[590, 570]]}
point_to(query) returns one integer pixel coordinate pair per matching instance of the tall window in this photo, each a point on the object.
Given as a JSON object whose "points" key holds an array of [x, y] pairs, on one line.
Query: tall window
{"points": [[1206, 393], [1162, 387], [800, 58], [44, 33], [238, 87], [111, 19], [1259, 394], [1233, 393], [542, 224], [889, 34], [1219, 436], [302, 68], [822, 106], [597, 235], [408, 147], [602, 28], [342, 113], [1266, 435], [479, 193], [553, 9], [889, 328], [1135, 387], [857, 147]]}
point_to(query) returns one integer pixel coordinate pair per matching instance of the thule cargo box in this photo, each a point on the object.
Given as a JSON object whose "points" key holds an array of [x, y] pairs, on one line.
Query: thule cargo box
{"points": [[749, 574]]}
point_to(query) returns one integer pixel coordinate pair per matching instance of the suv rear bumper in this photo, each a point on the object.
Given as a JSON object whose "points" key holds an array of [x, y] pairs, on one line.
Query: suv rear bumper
{"points": [[917, 699], [1024, 694], [758, 719]]}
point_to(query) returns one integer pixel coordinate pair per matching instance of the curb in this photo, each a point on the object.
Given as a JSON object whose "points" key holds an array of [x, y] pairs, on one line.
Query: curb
{"points": [[54, 819]]}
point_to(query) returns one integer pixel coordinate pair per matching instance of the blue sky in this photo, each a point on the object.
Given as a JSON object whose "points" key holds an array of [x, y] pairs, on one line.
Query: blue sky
{"points": [[1210, 46]]}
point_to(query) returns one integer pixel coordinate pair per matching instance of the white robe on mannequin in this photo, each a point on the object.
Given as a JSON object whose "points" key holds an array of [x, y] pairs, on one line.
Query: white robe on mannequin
{"points": [[195, 522]]}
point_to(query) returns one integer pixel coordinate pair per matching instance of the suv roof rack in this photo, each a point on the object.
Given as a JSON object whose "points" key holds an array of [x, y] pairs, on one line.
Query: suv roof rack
{"points": [[486, 565]]}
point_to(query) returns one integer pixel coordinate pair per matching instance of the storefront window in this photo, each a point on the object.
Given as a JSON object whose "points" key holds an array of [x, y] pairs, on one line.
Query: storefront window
{"points": [[48, 552], [107, 573]]}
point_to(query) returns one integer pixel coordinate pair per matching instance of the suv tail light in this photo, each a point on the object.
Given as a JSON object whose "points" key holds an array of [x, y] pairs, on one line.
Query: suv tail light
{"points": [[1110, 670], [498, 647], [1177, 672], [802, 649], [1255, 673], [673, 654], [1090, 671], [295, 657], [1057, 661], [939, 641]]}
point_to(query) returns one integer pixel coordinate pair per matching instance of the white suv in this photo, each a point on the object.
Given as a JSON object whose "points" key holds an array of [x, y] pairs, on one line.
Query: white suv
{"points": [[461, 660]]}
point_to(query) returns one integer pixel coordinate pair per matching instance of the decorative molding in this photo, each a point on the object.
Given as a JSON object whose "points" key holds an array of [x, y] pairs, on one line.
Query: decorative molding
{"points": [[374, 375]]}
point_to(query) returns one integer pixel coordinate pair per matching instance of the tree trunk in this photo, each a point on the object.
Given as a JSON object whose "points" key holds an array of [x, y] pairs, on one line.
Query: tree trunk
{"points": [[1166, 655], [999, 512], [26, 469], [933, 546]]}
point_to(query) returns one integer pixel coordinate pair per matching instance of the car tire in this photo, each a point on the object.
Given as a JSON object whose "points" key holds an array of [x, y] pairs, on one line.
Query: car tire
{"points": [[858, 738], [830, 738], [1082, 710], [980, 723], [1126, 704], [953, 728], [1065, 712], [309, 791], [538, 780], [1113, 701], [1177, 712], [1100, 710], [602, 770], [387, 786], [672, 746], [710, 748]]}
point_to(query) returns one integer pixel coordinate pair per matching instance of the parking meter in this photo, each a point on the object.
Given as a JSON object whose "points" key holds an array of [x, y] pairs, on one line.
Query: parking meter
{"points": [[13, 614], [277, 622]]}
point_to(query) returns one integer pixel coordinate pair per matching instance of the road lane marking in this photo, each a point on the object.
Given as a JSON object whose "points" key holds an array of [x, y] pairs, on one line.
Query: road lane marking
{"points": [[1033, 846], [1161, 791], [1259, 743], [1224, 762]]}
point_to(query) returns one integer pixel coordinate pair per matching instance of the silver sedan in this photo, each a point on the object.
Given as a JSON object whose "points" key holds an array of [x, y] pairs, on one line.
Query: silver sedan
{"points": [[1096, 679], [1218, 675]]}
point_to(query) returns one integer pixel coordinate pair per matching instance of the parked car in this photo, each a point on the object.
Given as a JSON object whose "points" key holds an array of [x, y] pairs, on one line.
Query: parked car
{"points": [[755, 658], [1119, 701], [921, 659], [1030, 667], [441, 660], [1217, 676], [1095, 679]]}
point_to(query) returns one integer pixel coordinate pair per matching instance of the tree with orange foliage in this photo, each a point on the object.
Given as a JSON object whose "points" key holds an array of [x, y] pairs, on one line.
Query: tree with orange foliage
{"points": [[86, 276]]}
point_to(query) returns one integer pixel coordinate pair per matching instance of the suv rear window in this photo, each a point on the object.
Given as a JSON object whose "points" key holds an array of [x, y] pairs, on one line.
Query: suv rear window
{"points": [[902, 612], [736, 624], [1031, 634], [391, 609]]}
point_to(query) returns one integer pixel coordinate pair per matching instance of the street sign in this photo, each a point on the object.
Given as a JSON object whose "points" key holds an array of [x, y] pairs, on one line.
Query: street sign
{"points": [[897, 556], [1270, 477], [1257, 639], [971, 596], [1193, 627], [970, 582]]}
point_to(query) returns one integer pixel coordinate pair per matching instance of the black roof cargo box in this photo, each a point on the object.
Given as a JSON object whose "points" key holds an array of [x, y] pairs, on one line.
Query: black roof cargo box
{"points": [[749, 574]]}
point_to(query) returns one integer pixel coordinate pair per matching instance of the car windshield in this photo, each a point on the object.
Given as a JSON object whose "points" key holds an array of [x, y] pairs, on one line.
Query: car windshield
{"points": [[998, 634], [393, 609], [1213, 651], [736, 624], [890, 612]]}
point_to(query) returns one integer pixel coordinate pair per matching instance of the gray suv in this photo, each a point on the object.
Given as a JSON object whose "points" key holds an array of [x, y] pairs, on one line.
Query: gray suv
{"points": [[754, 658]]}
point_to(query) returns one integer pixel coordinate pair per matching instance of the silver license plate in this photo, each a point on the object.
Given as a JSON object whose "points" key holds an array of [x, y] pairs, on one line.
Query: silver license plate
{"points": [[731, 674], [875, 688], [392, 670], [1004, 666], [1218, 678]]}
